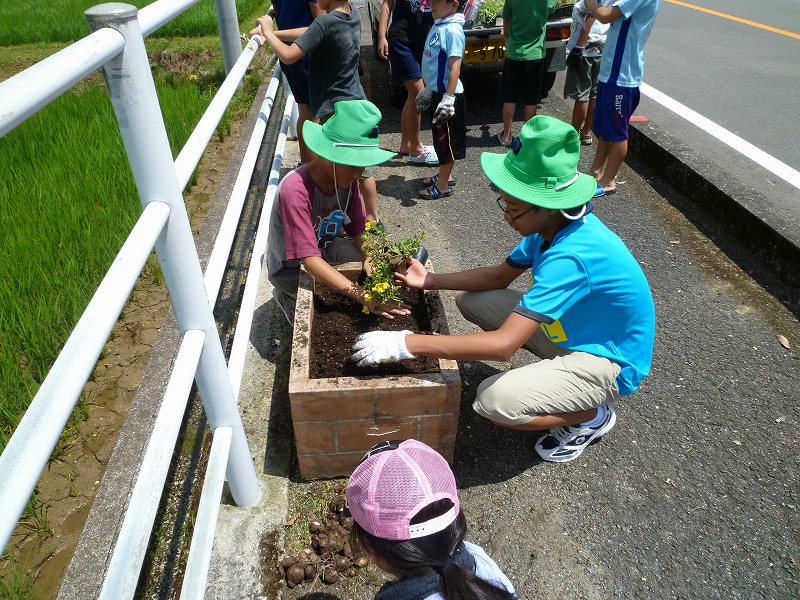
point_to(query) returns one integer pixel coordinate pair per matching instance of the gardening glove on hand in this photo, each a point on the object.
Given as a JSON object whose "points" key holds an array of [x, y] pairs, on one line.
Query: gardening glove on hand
{"points": [[446, 109], [424, 99], [574, 57], [380, 346]]}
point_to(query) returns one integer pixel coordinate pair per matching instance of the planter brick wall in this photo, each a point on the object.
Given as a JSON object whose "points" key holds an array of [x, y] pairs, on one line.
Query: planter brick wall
{"points": [[336, 420]]}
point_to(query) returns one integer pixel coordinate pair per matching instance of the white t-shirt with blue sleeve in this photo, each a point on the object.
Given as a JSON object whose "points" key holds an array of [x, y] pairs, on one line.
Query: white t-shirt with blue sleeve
{"points": [[623, 53], [590, 295]]}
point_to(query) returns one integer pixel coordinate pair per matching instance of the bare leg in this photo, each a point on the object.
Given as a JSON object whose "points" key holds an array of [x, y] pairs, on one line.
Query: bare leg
{"points": [[369, 192], [444, 176], [530, 111], [579, 115], [304, 114], [541, 422], [588, 119], [600, 158], [616, 154], [509, 108], [411, 119]]}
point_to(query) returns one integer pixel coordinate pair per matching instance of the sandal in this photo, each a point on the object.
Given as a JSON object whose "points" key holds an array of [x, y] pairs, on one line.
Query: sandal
{"points": [[586, 140], [505, 144], [434, 193], [426, 157], [433, 179]]}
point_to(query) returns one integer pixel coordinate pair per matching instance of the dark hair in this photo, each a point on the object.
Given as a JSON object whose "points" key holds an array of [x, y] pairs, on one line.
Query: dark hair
{"points": [[417, 557]]}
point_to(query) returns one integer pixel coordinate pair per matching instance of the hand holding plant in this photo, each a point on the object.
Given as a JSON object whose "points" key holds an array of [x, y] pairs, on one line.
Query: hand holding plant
{"points": [[383, 258]]}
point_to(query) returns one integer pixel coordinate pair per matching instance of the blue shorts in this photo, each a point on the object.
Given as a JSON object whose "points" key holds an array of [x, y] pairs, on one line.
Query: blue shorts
{"points": [[406, 60], [612, 112], [297, 77]]}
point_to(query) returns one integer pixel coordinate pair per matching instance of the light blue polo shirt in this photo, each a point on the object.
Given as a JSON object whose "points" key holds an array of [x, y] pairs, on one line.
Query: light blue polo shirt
{"points": [[623, 54], [445, 39], [590, 295]]}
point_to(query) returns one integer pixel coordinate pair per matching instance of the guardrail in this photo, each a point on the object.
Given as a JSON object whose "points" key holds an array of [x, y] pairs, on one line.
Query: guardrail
{"points": [[117, 45]]}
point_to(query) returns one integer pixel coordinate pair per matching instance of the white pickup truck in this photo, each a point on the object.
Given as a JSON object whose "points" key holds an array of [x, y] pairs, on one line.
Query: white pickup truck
{"points": [[485, 46]]}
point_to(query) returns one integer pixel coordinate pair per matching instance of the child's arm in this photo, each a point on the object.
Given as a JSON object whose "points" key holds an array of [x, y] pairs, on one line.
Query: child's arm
{"points": [[455, 73], [604, 14], [289, 35], [383, 25], [447, 107], [325, 273], [287, 54]]}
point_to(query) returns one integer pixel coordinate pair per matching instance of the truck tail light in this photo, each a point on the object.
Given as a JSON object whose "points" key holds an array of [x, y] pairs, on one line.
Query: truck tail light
{"points": [[557, 33]]}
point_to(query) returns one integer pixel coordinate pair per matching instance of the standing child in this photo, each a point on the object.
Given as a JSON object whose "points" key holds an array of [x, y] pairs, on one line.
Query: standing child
{"points": [[332, 42], [407, 516], [441, 68], [585, 46], [290, 15], [524, 26], [317, 218], [401, 43], [621, 71]]}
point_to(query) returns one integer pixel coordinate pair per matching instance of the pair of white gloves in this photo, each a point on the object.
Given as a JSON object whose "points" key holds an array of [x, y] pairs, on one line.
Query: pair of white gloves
{"points": [[445, 109], [380, 346]]}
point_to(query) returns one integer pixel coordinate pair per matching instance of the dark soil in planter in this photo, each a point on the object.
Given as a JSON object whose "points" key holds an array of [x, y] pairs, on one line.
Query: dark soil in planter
{"points": [[338, 320]]}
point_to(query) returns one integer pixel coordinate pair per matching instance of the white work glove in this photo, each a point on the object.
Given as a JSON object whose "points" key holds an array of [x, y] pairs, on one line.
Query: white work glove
{"points": [[446, 109], [424, 99], [380, 346]]}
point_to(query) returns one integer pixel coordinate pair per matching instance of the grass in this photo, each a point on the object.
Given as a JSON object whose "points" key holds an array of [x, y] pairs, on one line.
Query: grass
{"points": [[16, 580], [70, 202], [28, 21]]}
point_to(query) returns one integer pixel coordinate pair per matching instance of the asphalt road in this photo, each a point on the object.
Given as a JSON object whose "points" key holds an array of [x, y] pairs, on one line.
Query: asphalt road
{"points": [[737, 74], [694, 494]]}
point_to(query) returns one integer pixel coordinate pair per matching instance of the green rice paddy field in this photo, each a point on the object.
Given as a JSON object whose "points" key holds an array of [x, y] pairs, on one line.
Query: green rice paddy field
{"points": [[67, 195]]}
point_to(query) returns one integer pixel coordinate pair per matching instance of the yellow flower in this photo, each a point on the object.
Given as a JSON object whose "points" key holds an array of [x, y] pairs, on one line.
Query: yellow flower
{"points": [[365, 310], [370, 225], [367, 296]]}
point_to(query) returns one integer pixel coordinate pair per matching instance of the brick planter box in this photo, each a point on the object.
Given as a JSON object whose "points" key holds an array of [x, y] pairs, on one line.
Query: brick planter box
{"points": [[337, 419]]}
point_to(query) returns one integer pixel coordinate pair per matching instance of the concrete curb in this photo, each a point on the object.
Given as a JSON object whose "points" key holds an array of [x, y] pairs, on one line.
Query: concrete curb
{"points": [[769, 232]]}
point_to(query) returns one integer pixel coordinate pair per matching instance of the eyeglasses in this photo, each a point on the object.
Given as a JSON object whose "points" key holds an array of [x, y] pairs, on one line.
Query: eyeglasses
{"points": [[501, 203]]}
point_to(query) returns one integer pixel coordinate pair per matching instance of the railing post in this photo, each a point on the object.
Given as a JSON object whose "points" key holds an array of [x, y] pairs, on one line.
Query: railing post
{"points": [[228, 32], [133, 95]]}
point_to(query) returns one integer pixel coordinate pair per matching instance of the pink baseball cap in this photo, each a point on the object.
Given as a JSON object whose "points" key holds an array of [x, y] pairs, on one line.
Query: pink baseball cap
{"points": [[393, 482]]}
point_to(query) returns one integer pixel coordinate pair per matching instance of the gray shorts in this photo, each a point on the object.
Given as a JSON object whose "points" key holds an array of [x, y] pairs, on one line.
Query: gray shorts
{"points": [[562, 382], [581, 82]]}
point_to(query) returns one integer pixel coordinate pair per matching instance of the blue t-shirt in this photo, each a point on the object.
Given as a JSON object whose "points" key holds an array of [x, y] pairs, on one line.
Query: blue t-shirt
{"points": [[623, 54], [293, 13], [444, 40], [590, 295]]}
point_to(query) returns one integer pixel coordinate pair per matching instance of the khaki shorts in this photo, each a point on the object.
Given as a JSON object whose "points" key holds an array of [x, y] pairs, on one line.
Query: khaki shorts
{"points": [[562, 382]]}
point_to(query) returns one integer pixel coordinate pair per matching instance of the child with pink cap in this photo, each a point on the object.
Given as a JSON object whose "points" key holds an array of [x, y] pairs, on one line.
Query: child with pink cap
{"points": [[407, 516]]}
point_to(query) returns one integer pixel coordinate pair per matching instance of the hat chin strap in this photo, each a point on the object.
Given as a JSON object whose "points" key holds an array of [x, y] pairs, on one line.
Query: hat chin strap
{"points": [[574, 217], [566, 214]]}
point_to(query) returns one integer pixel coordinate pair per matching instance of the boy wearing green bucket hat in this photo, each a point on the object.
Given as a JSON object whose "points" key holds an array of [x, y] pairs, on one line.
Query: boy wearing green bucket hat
{"points": [[588, 313], [318, 215]]}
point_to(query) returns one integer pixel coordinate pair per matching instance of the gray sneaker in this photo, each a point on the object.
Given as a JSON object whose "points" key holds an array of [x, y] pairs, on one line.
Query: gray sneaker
{"points": [[564, 444]]}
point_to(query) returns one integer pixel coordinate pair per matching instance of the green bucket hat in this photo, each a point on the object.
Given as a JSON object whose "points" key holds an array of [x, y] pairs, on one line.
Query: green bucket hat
{"points": [[350, 136], [541, 167]]}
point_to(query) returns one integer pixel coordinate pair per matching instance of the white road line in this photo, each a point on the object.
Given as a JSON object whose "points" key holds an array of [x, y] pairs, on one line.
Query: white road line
{"points": [[757, 155]]}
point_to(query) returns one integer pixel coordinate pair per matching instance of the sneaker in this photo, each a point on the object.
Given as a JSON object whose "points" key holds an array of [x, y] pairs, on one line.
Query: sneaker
{"points": [[564, 444], [426, 157]]}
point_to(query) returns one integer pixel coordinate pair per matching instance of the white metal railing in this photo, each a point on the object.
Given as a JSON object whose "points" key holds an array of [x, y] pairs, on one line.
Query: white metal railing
{"points": [[117, 45]]}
